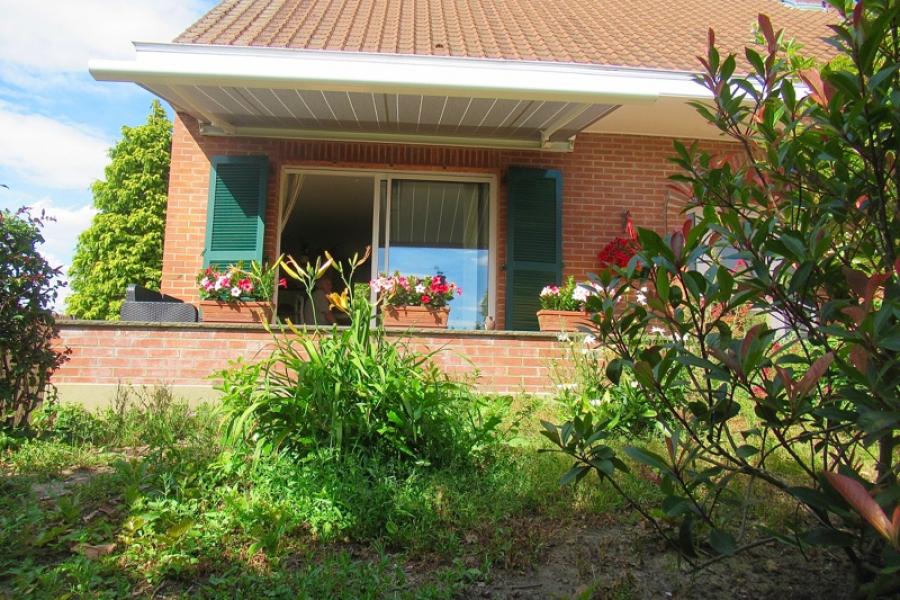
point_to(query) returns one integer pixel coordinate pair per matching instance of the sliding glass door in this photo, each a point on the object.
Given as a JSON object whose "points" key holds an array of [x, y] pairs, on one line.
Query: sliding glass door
{"points": [[428, 226]]}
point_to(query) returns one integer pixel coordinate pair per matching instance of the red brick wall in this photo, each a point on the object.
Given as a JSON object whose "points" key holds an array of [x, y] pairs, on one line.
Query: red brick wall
{"points": [[187, 354], [605, 176]]}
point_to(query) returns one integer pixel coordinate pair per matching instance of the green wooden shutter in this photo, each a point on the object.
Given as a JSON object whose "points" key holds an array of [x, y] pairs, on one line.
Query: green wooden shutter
{"points": [[534, 242], [235, 218]]}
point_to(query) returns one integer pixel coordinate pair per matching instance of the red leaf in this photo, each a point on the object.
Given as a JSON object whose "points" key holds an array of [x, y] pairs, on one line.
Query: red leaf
{"points": [[897, 267], [786, 381], [751, 336], [670, 446], [857, 280], [676, 243], [813, 81], [872, 286], [857, 313], [859, 356], [895, 525], [681, 190], [858, 497], [814, 373], [765, 26], [857, 13], [686, 227], [711, 37]]}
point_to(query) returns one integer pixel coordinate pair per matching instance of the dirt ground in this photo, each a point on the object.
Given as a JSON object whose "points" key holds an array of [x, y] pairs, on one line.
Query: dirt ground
{"points": [[623, 561]]}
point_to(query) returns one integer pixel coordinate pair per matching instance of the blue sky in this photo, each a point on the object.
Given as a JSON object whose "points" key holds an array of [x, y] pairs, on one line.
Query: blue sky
{"points": [[56, 122]]}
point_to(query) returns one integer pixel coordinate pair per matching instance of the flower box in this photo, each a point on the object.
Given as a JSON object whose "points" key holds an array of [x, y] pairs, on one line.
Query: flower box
{"points": [[563, 320], [216, 311], [421, 317]]}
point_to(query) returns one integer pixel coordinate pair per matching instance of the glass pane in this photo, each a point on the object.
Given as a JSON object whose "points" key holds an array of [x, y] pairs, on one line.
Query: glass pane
{"points": [[442, 227]]}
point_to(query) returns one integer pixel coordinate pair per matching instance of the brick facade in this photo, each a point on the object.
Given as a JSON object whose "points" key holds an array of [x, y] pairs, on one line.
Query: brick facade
{"points": [[185, 355], [605, 176]]}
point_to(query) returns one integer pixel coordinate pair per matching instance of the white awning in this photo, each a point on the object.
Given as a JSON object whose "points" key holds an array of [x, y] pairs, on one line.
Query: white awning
{"points": [[266, 92]]}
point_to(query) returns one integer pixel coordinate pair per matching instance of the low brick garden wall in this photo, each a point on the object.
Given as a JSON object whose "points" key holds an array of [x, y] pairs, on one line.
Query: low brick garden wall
{"points": [[105, 355]]}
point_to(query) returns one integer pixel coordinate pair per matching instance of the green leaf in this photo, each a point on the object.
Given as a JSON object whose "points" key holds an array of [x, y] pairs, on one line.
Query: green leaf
{"points": [[648, 458], [722, 542]]}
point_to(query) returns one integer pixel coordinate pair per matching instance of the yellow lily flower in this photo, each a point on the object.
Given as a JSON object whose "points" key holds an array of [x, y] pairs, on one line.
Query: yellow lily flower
{"points": [[340, 302]]}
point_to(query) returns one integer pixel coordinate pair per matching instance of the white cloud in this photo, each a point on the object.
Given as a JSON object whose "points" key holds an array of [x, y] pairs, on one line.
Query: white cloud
{"points": [[49, 152], [60, 236], [62, 35]]}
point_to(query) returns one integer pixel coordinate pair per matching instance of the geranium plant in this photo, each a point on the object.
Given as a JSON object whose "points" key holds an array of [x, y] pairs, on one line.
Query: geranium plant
{"points": [[434, 291], [235, 284], [570, 296], [617, 253]]}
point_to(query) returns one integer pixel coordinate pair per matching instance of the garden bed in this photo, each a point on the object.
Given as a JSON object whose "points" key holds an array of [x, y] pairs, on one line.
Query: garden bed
{"points": [[143, 501]]}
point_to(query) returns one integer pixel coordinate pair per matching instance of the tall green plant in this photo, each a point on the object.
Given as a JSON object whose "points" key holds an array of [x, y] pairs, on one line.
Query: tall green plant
{"points": [[125, 239], [340, 391], [799, 222], [28, 289]]}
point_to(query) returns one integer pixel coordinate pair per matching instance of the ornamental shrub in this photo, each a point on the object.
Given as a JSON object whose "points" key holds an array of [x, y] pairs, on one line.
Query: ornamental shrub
{"points": [[28, 289], [799, 224]]}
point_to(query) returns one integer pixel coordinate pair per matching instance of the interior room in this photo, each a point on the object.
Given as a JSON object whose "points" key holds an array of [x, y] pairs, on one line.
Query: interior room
{"points": [[330, 212]]}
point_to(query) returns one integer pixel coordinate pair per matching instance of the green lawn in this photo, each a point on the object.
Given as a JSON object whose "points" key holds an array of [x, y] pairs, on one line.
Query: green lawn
{"points": [[143, 501]]}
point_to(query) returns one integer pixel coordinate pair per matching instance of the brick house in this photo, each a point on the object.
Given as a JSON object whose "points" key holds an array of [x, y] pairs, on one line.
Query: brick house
{"points": [[500, 141]]}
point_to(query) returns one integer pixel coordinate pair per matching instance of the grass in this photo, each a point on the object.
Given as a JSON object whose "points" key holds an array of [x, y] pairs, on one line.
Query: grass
{"points": [[142, 500]]}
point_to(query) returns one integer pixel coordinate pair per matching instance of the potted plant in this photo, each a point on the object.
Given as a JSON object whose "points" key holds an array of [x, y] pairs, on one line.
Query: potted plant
{"points": [[236, 295], [413, 301], [563, 307]]}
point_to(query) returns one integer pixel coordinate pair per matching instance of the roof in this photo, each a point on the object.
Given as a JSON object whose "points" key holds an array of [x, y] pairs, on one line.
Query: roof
{"points": [[652, 34]]}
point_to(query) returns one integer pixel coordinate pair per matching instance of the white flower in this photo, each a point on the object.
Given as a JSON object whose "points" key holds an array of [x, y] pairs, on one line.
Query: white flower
{"points": [[550, 290], [566, 386], [657, 330], [420, 288], [563, 337], [642, 296], [581, 294], [235, 291], [204, 282], [595, 402], [589, 340]]}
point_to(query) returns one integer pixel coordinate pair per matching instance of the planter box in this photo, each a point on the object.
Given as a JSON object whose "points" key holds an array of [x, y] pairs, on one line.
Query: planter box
{"points": [[422, 317], [562, 320], [213, 311]]}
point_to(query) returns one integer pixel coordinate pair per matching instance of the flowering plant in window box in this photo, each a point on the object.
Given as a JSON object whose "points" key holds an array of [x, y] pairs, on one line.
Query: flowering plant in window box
{"points": [[237, 295], [415, 301], [563, 308]]}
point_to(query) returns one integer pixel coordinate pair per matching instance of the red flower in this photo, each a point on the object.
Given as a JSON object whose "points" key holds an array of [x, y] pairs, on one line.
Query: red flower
{"points": [[618, 252], [425, 299], [282, 283]]}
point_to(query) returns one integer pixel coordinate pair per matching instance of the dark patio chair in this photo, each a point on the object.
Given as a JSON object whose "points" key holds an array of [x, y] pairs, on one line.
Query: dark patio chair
{"points": [[151, 306]]}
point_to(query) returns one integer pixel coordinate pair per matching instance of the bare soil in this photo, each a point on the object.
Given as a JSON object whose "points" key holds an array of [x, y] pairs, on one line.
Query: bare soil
{"points": [[625, 561]]}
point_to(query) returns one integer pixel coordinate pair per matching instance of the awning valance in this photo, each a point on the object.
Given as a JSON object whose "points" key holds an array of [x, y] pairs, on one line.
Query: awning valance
{"points": [[353, 96]]}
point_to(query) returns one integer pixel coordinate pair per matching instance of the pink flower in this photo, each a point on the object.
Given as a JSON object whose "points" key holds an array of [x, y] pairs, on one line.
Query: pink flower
{"points": [[221, 282], [459, 291], [245, 284], [550, 290], [282, 283]]}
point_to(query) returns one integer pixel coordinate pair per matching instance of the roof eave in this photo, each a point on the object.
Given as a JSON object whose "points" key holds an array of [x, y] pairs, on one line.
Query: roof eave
{"points": [[173, 64]]}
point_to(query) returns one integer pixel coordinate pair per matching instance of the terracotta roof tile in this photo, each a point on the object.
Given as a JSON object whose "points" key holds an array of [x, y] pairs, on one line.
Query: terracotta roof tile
{"points": [[655, 34]]}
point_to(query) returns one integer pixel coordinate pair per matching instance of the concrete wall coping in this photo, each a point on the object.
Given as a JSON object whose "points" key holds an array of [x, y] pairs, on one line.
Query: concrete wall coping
{"points": [[256, 327]]}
